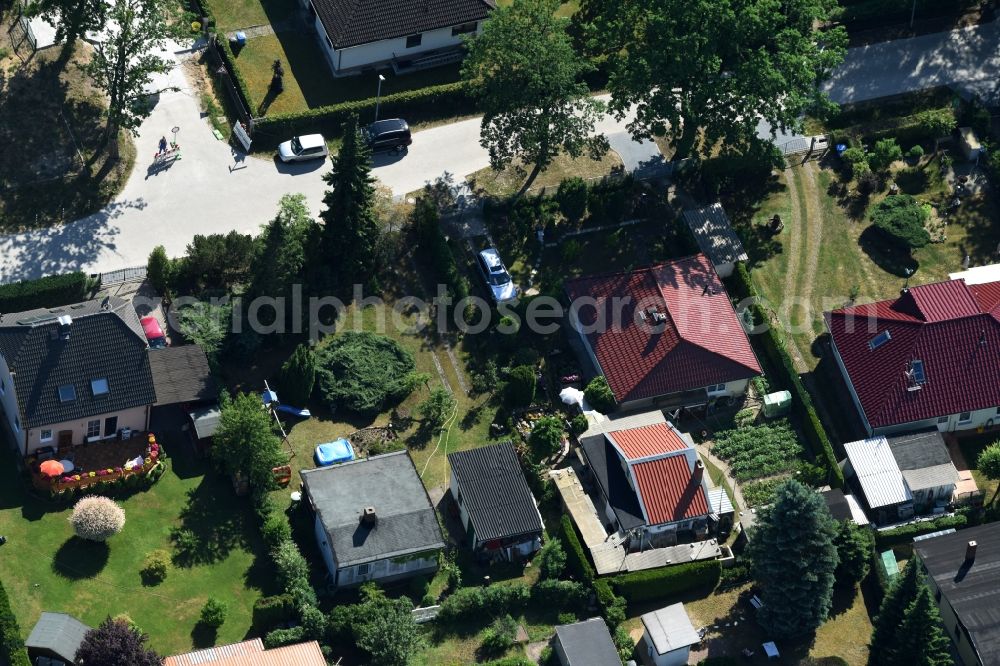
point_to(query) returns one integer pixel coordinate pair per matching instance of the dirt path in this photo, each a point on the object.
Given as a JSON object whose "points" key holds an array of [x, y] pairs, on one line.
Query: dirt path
{"points": [[814, 224], [706, 453]]}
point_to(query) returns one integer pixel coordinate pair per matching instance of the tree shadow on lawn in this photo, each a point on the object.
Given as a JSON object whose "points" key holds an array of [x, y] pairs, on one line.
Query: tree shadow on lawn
{"points": [[892, 260], [213, 523], [78, 558], [204, 636]]}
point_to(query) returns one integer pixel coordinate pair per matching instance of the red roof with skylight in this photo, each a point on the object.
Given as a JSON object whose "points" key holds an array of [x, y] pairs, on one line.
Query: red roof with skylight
{"points": [[932, 352], [663, 329]]}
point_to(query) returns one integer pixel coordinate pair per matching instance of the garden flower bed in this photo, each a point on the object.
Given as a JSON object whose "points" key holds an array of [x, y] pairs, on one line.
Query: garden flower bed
{"points": [[134, 457]]}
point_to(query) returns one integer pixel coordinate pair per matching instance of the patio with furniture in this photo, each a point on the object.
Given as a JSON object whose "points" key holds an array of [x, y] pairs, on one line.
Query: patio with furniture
{"points": [[98, 462]]}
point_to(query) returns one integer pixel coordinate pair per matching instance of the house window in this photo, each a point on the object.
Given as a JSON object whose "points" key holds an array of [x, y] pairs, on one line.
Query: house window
{"points": [[464, 29], [94, 428], [45, 436], [99, 386], [716, 388], [943, 419], [67, 393], [363, 569], [965, 417], [413, 41]]}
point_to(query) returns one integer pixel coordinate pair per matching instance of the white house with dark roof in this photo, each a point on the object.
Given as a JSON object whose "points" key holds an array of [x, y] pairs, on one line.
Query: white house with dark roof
{"points": [[374, 519], [406, 35], [74, 374]]}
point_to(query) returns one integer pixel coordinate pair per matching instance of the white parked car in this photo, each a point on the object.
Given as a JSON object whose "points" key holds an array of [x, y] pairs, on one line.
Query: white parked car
{"points": [[495, 275], [300, 148]]}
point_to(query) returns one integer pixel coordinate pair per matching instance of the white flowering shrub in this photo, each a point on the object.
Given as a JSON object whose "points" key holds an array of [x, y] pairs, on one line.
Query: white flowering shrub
{"points": [[97, 518]]}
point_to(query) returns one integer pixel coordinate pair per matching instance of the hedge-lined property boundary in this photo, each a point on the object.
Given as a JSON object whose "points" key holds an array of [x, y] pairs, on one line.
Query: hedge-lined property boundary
{"points": [[14, 652], [773, 345], [576, 556], [900, 535], [651, 584], [46, 292]]}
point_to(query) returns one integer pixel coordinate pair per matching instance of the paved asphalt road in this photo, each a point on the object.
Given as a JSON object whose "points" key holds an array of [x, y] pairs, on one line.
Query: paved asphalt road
{"points": [[211, 190]]}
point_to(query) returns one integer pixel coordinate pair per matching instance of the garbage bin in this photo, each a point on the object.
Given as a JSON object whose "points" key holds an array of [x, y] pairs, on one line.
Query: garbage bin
{"points": [[239, 39]]}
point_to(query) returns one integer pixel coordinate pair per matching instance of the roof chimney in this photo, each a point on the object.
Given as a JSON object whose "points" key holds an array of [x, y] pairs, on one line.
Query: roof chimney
{"points": [[65, 322], [698, 473], [369, 517], [970, 551]]}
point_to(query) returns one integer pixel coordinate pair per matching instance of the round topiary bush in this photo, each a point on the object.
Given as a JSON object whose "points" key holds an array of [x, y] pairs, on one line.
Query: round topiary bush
{"points": [[154, 568], [97, 518], [365, 372], [901, 219], [213, 613]]}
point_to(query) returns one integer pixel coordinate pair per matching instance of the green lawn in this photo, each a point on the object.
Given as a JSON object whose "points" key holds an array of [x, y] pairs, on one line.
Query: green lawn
{"points": [[236, 14], [827, 249], [45, 569], [845, 633], [308, 80]]}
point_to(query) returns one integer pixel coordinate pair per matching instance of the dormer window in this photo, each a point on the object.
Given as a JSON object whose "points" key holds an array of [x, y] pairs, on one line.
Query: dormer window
{"points": [[99, 386], [67, 393], [879, 340]]}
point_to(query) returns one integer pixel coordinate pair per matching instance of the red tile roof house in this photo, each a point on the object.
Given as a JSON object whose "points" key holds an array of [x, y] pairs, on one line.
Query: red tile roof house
{"points": [[664, 336], [650, 479], [930, 358]]}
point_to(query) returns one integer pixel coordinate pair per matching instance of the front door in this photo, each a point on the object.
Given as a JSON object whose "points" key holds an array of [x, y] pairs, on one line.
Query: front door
{"points": [[65, 438], [110, 426]]}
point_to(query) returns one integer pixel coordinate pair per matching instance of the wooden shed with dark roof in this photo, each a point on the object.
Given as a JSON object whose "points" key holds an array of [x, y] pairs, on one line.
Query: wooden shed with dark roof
{"points": [[495, 505]]}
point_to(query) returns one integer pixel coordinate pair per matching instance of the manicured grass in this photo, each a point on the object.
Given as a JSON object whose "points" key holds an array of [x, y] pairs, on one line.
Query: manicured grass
{"points": [[827, 250], [236, 14], [308, 80], [507, 182], [845, 634], [45, 569]]}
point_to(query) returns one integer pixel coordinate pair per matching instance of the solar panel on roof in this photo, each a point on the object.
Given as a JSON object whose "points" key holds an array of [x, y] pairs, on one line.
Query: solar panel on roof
{"points": [[879, 340]]}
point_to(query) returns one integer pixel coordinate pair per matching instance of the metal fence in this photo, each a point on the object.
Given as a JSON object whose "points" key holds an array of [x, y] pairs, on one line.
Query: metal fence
{"points": [[122, 275], [20, 31]]}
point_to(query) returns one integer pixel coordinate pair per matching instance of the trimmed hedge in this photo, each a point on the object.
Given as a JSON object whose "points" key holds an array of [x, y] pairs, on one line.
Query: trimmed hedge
{"points": [[653, 584], [900, 535], [48, 292], [413, 105], [774, 347], [576, 556], [269, 612], [229, 61], [11, 642]]}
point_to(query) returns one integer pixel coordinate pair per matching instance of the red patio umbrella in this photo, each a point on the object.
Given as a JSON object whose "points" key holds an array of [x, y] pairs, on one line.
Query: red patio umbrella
{"points": [[51, 468]]}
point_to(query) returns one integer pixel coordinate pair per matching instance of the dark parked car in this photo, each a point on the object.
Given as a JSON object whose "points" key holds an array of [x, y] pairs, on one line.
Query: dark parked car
{"points": [[391, 134]]}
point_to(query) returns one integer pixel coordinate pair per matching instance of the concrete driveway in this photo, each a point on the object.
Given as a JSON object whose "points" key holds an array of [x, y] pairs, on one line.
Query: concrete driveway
{"points": [[968, 58]]}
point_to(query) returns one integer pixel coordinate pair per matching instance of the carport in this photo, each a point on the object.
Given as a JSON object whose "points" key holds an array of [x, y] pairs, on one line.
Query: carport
{"points": [[184, 388]]}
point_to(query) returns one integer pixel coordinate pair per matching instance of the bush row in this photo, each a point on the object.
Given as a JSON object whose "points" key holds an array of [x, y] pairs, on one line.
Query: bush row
{"points": [[414, 105], [774, 347], [576, 557], [495, 600], [11, 644], [229, 62], [269, 612], [651, 584], [48, 292], [905, 534]]}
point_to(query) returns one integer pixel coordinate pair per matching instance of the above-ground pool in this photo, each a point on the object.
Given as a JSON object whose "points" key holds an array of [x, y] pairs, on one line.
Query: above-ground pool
{"points": [[334, 452]]}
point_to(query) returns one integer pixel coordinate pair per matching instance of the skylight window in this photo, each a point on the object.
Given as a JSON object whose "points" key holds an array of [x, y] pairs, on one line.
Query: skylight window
{"points": [[879, 340], [67, 393], [917, 368], [99, 386]]}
